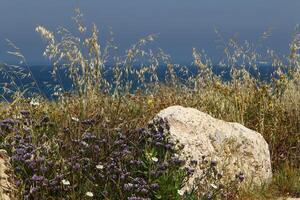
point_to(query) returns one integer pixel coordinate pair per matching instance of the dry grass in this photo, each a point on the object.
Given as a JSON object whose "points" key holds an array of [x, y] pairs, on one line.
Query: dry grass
{"points": [[269, 107]]}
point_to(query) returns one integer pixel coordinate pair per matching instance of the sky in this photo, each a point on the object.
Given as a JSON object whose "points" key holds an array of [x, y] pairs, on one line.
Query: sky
{"points": [[179, 24]]}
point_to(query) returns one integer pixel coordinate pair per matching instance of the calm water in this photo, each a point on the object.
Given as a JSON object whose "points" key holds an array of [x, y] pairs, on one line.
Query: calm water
{"points": [[46, 82]]}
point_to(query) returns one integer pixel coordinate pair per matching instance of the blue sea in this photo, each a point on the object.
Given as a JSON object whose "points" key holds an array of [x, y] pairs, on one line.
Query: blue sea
{"points": [[46, 82]]}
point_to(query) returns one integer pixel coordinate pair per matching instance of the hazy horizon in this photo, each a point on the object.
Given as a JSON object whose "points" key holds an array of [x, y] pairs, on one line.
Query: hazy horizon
{"points": [[180, 25]]}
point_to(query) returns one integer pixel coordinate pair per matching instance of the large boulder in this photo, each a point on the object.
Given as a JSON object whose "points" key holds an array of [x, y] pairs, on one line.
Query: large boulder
{"points": [[235, 148]]}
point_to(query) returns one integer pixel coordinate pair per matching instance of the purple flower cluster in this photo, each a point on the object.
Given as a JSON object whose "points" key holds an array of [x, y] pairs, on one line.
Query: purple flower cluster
{"points": [[8, 125], [49, 161], [35, 167]]}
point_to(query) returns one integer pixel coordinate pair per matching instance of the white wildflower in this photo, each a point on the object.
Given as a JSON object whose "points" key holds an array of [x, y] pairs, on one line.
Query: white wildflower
{"points": [[65, 182], [75, 119], [154, 159], [214, 186], [180, 192], [85, 144], [89, 194], [34, 102], [99, 167], [17, 116], [26, 128]]}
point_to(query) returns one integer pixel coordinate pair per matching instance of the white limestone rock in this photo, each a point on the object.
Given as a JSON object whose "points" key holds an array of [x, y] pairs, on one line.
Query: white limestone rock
{"points": [[234, 147], [7, 188]]}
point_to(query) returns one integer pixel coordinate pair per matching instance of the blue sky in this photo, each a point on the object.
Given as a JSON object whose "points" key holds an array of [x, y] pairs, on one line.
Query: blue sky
{"points": [[181, 24]]}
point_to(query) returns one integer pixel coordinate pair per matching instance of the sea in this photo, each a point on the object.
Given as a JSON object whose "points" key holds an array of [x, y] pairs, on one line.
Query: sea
{"points": [[43, 78]]}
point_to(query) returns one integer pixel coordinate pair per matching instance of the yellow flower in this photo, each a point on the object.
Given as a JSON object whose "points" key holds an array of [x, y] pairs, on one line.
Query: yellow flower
{"points": [[150, 102]]}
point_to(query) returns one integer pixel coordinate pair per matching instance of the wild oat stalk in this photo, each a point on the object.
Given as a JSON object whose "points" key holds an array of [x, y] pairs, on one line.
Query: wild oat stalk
{"points": [[87, 62]]}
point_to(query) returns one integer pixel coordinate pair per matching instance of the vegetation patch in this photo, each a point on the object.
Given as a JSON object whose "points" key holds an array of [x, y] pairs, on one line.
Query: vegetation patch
{"points": [[93, 142]]}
